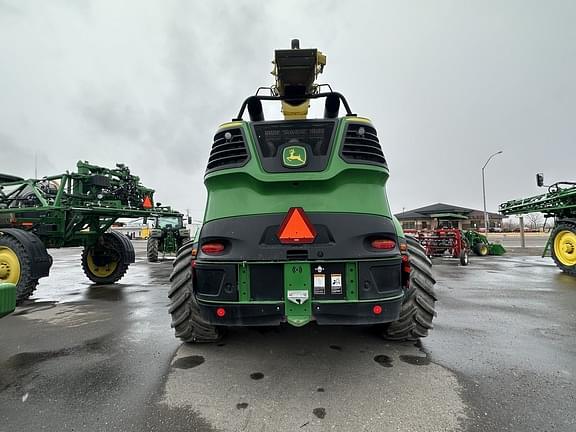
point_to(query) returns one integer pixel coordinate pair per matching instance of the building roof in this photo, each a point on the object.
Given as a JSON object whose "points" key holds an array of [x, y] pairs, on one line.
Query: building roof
{"points": [[431, 211]]}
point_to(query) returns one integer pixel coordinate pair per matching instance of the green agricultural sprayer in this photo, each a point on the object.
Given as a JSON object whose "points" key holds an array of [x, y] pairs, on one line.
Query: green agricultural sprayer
{"points": [[297, 226], [71, 209], [558, 203]]}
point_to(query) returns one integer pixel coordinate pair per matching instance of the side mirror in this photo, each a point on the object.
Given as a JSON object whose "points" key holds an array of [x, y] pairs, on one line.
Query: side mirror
{"points": [[540, 179], [189, 220]]}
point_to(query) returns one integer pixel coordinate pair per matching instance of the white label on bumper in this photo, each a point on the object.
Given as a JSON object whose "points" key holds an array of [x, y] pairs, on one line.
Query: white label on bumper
{"points": [[319, 284], [298, 297]]}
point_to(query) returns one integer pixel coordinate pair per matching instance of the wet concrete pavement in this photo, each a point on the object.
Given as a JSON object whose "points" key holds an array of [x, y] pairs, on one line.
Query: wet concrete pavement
{"points": [[502, 357], [507, 327]]}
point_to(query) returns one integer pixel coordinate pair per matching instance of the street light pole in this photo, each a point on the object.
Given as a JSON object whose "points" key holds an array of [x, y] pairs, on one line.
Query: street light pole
{"points": [[484, 191]]}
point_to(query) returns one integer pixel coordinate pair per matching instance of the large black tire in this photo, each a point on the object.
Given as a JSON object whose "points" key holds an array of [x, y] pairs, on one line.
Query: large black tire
{"points": [[26, 283], [152, 249], [563, 246], [107, 261], [418, 309], [186, 320], [481, 249]]}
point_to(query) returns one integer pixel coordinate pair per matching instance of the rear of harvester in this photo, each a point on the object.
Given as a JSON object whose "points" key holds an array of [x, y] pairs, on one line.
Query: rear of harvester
{"points": [[297, 225]]}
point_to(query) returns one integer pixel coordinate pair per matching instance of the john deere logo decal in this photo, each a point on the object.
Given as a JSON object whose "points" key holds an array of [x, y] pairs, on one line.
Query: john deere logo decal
{"points": [[294, 156]]}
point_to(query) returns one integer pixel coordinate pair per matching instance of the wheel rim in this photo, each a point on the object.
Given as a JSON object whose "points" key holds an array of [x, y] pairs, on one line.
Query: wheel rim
{"points": [[483, 250], [102, 270], [9, 266], [565, 247]]}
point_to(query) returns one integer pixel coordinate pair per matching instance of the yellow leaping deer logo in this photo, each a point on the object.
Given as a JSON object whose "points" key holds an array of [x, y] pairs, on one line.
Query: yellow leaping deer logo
{"points": [[294, 156]]}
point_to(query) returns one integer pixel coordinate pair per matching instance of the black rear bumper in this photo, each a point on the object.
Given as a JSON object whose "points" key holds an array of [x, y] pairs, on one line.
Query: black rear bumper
{"points": [[248, 282], [272, 314]]}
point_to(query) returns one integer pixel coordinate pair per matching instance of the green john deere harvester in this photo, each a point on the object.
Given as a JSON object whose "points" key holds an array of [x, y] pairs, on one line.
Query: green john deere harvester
{"points": [[297, 225], [71, 209], [167, 234]]}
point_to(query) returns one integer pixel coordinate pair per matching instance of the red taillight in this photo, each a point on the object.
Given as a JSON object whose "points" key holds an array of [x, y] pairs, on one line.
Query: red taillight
{"points": [[220, 312], [383, 244], [377, 310], [212, 248]]}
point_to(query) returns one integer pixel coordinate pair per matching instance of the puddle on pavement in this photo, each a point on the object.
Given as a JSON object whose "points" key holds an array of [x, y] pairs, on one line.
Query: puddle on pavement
{"points": [[28, 359], [257, 376], [188, 362], [319, 412], [383, 360], [108, 293], [30, 307]]}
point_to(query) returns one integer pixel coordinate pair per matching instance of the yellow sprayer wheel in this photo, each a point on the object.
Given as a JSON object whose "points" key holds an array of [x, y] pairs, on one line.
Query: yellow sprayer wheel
{"points": [[564, 247], [9, 266]]}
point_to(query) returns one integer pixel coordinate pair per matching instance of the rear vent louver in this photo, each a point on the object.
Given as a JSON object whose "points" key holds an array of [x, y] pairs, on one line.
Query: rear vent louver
{"points": [[297, 254], [228, 150], [361, 145]]}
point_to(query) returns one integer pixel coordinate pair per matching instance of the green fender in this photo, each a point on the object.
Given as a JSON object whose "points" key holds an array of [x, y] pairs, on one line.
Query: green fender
{"points": [[7, 298]]}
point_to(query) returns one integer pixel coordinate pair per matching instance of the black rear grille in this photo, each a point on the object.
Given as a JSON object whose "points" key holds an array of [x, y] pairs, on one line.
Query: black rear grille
{"points": [[361, 145], [229, 150], [314, 135]]}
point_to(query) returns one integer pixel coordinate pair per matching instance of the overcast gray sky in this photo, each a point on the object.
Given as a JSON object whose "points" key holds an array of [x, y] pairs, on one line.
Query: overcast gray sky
{"points": [[146, 83]]}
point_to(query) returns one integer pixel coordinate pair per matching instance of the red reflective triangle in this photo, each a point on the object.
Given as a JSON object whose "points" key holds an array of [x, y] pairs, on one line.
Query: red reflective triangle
{"points": [[147, 204], [296, 228]]}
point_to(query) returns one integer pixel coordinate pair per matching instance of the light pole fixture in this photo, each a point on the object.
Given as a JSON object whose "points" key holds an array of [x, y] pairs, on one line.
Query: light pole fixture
{"points": [[484, 191]]}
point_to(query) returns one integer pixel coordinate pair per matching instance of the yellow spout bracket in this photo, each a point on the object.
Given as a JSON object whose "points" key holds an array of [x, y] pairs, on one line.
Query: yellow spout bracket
{"points": [[295, 112], [320, 63]]}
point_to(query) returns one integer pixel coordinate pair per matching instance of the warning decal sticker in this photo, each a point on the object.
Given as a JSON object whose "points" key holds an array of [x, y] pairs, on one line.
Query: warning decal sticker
{"points": [[319, 284], [336, 283]]}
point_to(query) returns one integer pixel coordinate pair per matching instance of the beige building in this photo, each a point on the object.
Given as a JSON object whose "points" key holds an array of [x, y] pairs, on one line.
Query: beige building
{"points": [[428, 217]]}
